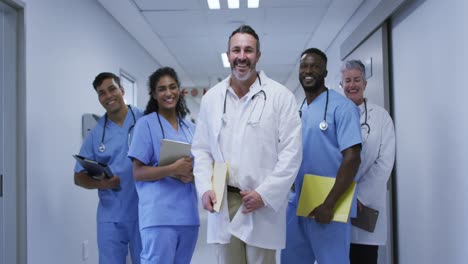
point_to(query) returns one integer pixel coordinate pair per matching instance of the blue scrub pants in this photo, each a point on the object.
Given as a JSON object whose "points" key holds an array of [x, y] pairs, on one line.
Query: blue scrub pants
{"points": [[114, 241], [168, 244], [307, 241]]}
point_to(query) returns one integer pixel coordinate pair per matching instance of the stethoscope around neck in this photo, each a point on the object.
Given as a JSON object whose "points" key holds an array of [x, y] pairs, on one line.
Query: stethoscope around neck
{"points": [[102, 147], [324, 124], [261, 92], [365, 124], [181, 125]]}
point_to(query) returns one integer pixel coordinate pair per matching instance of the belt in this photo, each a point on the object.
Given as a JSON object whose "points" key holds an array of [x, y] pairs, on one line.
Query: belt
{"points": [[233, 189]]}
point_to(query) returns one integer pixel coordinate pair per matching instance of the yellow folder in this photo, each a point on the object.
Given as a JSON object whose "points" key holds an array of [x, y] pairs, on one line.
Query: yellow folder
{"points": [[314, 191], [218, 182]]}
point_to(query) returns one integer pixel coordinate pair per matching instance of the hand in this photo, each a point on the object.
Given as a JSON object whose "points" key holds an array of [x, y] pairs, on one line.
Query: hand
{"points": [[323, 214], [208, 200], [110, 183], [183, 166], [185, 178], [252, 201]]}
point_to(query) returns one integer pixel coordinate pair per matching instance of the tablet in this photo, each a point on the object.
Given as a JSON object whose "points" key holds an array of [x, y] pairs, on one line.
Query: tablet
{"points": [[366, 218], [172, 150], [94, 168]]}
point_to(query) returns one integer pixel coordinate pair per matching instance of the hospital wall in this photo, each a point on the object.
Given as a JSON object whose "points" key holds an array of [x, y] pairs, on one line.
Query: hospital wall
{"points": [[67, 44], [429, 55]]}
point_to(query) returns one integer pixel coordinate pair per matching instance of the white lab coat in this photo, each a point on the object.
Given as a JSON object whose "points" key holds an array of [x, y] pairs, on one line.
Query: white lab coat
{"points": [[377, 158], [270, 155]]}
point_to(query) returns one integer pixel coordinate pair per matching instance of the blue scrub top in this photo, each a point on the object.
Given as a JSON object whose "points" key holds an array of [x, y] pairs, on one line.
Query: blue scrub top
{"points": [[122, 205], [167, 201], [322, 149]]}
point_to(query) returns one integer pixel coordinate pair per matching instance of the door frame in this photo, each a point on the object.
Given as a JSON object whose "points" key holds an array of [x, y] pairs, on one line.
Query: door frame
{"points": [[14, 191]]}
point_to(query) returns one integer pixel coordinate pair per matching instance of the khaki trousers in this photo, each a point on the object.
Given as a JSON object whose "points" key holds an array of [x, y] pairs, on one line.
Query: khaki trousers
{"points": [[238, 252]]}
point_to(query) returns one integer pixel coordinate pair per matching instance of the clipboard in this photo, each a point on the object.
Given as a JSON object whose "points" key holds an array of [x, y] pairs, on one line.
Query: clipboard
{"points": [[93, 168], [366, 218], [172, 150], [315, 190], [218, 182]]}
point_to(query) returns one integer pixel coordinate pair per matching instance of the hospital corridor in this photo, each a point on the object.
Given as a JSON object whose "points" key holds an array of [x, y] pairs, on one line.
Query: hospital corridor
{"points": [[268, 94]]}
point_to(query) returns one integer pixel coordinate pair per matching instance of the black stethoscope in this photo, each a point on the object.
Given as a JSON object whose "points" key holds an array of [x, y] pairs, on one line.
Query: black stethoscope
{"points": [[365, 124], [252, 98], [324, 124], [102, 147], [181, 125]]}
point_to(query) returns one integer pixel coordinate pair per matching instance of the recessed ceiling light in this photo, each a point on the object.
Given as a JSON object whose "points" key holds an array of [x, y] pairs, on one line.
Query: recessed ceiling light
{"points": [[253, 3], [224, 57], [213, 4], [233, 4]]}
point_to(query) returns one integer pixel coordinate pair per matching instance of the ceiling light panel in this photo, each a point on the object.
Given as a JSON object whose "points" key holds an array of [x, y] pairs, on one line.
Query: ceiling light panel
{"points": [[233, 4], [224, 57], [253, 3], [213, 4]]}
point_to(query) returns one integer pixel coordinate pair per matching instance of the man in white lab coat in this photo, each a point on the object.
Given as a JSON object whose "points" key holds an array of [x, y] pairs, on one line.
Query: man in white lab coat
{"points": [[251, 123]]}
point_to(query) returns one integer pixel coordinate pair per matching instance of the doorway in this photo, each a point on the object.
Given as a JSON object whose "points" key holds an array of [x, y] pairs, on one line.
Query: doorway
{"points": [[373, 52], [9, 77]]}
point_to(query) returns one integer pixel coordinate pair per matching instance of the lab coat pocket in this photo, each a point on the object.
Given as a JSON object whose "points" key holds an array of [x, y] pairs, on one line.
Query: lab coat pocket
{"points": [[262, 139]]}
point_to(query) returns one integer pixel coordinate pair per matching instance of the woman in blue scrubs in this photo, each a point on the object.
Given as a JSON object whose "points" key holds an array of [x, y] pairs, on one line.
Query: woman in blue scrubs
{"points": [[168, 211]]}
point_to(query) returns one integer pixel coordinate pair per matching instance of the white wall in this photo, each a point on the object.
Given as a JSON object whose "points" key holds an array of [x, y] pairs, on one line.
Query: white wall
{"points": [[429, 67], [67, 44], [333, 51]]}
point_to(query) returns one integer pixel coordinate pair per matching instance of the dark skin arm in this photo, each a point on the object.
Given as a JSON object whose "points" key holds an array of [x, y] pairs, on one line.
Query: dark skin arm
{"points": [[349, 166], [84, 180]]}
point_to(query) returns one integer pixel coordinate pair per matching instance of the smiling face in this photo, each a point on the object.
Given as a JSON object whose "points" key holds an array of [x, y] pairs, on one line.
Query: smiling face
{"points": [[243, 56], [110, 95], [312, 72], [166, 94], [354, 85]]}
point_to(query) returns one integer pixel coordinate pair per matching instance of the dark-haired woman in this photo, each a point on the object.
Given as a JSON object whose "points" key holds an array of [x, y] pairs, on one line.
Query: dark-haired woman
{"points": [[167, 204]]}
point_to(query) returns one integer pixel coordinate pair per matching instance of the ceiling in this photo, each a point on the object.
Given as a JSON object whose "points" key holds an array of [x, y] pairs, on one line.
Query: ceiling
{"points": [[189, 37]]}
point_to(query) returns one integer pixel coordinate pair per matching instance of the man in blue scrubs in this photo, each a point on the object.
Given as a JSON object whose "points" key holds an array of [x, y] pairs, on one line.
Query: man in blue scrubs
{"points": [[107, 143], [331, 137]]}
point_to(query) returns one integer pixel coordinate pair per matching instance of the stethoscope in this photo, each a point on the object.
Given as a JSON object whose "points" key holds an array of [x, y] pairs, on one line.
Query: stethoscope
{"points": [[324, 124], [365, 124], [102, 147], [181, 125], [262, 92]]}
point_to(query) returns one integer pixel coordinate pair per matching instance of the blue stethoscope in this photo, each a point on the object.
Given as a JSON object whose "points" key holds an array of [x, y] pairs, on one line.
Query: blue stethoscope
{"points": [[181, 125], [102, 147], [324, 124], [261, 92]]}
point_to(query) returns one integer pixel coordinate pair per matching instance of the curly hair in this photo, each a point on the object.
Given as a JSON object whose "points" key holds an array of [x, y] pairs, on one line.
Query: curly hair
{"points": [[152, 106]]}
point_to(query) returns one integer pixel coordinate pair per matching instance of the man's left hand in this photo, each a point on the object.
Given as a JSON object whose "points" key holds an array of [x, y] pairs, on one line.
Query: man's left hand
{"points": [[252, 201]]}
